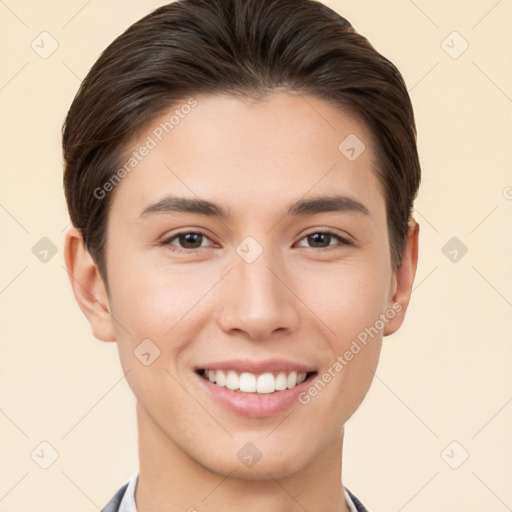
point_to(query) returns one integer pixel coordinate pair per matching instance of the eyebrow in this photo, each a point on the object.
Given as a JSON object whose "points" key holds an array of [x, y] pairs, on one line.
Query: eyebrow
{"points": [[322, 204]]}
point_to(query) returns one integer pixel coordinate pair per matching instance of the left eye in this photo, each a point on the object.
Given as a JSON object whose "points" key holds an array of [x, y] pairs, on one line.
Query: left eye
{"points": [[321, 239]]}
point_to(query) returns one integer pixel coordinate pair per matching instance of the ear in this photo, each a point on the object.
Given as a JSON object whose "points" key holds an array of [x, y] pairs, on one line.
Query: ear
{"points": [[403, 279], [88, 286]]}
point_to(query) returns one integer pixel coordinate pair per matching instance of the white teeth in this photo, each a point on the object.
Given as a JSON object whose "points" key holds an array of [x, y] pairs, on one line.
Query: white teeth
{"points": [[250, 383], [281, 381], [247, 382], [292, 380], [232, 380], [301, 377], [266, 383], [220, 377]]}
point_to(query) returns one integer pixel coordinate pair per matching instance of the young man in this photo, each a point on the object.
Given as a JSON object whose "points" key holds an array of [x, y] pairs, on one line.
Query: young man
{"points": [[240, 176]]}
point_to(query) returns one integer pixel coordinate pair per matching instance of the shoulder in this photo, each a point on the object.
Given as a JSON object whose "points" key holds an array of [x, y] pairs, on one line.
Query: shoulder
{"points": [[113, 504]]}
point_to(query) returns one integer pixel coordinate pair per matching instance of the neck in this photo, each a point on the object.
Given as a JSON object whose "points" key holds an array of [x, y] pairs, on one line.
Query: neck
{"points": [[169, 479]]}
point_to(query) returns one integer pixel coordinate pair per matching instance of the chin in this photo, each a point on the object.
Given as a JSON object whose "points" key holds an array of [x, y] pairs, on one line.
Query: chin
{"points": [[272, 464]]}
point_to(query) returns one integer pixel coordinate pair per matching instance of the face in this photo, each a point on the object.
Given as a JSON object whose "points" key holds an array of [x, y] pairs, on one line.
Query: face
{"points": [[247, 244]]}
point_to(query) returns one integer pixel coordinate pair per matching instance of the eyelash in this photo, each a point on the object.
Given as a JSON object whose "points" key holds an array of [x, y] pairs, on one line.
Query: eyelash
{"points": [[167, 241]]}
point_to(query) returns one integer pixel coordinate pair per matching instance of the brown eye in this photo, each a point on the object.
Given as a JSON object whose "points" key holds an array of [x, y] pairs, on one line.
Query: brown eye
{"points": [[323, 239], [190, 240], [185, 240]]}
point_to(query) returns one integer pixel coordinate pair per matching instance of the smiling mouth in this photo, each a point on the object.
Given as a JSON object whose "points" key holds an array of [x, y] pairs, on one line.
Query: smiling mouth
{"points": [[263, 383]]}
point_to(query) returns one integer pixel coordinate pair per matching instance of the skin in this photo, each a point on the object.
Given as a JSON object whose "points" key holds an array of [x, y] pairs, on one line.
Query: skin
{"points": [[298, 300]]}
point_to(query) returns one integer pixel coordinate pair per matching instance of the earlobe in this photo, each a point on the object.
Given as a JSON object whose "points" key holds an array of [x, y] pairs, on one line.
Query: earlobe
{"points": [[88, 287], [404, 280]]}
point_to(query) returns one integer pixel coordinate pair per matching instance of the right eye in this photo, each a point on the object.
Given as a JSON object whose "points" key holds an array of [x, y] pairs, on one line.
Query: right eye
{"points": [[188, 241]]}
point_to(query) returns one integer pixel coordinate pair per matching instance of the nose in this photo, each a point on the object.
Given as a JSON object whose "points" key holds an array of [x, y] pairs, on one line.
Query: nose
{"points": [[259, 301]]}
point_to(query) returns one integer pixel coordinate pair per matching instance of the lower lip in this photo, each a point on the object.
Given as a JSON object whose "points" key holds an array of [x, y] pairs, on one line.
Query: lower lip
{"points": [[254, 405]]}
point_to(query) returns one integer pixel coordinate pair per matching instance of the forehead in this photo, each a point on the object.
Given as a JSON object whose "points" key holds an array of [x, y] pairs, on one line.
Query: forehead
{"points": [[251, 155]]}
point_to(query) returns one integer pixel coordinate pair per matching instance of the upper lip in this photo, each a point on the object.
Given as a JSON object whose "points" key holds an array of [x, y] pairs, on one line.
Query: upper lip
{"points": [[257, 367]]}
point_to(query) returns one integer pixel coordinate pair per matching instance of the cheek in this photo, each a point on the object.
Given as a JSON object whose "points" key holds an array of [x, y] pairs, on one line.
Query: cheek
{"points": [[154, 314], [144, 304], [157, 301], [349, 298], [354, 303], [147, 297]]}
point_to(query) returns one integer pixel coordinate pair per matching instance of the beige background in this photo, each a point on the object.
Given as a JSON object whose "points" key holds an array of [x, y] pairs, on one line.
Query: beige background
{"points": [[444, 377]]}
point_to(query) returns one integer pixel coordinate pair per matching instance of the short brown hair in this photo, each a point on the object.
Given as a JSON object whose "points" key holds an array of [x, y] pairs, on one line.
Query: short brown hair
{"points": [[244, 48]]}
